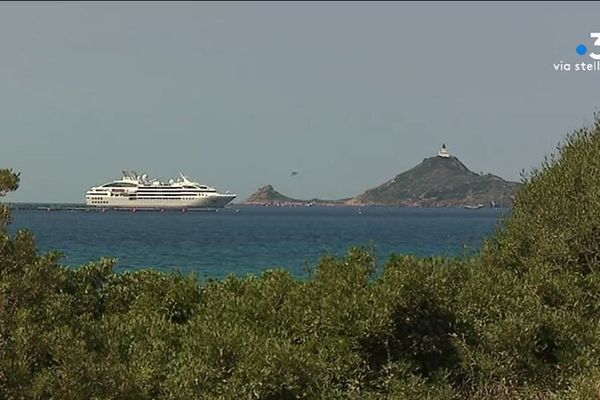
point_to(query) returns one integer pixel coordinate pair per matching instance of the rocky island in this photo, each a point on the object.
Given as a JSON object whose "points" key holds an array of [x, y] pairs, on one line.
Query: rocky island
{"points": [[439, 181], [268, 196]]}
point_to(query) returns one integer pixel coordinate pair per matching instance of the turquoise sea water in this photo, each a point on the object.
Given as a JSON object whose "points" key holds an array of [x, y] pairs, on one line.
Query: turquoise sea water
{"points": [[216, 244]]}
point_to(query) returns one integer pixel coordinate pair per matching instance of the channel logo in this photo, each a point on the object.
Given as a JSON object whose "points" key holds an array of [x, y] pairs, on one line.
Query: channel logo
{"points": [[583, 51]]}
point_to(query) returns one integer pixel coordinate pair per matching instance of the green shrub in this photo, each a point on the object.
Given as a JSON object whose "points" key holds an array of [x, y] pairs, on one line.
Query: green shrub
{"points": [[519, 321], [556, 216]]}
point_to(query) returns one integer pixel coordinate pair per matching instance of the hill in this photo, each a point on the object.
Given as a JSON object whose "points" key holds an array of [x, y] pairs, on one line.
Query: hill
{"points": [[267, 195], [440, 182]]}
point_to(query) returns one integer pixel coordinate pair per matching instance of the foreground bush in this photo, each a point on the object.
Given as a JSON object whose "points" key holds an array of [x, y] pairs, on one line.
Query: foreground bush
{"points": [[519, 321]]}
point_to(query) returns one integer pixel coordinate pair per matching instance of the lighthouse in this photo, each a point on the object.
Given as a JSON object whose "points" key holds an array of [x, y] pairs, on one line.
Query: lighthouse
{"points": [[443, 152]]}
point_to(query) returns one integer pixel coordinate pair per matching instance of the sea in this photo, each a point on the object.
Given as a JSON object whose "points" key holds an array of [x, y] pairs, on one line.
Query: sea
{"points": [[244, 240]]}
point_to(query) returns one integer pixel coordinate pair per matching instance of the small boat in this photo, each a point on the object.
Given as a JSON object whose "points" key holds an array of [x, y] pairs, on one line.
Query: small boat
{"points": [[477, 207]]}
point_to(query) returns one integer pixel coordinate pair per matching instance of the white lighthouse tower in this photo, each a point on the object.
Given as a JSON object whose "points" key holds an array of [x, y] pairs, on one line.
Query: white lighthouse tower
{"points": [[443, 152]]}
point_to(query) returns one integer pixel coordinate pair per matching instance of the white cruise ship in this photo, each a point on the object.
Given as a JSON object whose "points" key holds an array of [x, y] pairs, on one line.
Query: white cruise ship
{"points": [[135, 191]]}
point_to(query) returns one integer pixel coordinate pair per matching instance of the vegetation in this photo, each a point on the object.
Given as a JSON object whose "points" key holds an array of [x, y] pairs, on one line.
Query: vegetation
{"points": [[519, 321], [440, 182]]}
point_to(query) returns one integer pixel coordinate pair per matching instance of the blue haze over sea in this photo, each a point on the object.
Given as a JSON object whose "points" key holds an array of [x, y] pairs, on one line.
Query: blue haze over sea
{"points": [[216, 244]]}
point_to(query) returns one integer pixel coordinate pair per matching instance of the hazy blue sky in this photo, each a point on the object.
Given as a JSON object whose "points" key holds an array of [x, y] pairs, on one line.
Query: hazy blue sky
{"points": [[238, 95]]}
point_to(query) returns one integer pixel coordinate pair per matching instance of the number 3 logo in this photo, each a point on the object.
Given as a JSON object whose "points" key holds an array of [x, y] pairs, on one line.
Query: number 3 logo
{"points": [[595, 35]]}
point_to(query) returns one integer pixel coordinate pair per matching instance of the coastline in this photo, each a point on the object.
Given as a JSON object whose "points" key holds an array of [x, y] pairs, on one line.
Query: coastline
{"points": [[81, 207]]}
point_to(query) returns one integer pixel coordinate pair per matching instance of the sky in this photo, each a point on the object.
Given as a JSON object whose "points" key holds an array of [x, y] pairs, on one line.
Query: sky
{"points": [[238, 95]]}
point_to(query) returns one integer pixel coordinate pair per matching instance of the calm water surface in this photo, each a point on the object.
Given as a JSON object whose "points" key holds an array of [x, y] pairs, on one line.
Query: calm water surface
{"points": [[216, 244]]}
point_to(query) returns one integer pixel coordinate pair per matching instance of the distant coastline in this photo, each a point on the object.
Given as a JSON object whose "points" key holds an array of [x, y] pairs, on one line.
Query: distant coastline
{"points": [[441, 181], [81, 207]]}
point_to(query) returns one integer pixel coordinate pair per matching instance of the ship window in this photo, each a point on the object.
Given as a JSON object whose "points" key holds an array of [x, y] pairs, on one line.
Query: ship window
{"points": [[120, 184]]}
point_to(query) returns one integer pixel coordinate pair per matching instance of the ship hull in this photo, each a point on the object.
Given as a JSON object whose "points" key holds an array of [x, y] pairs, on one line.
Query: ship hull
{"points": [[216, 201]]}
